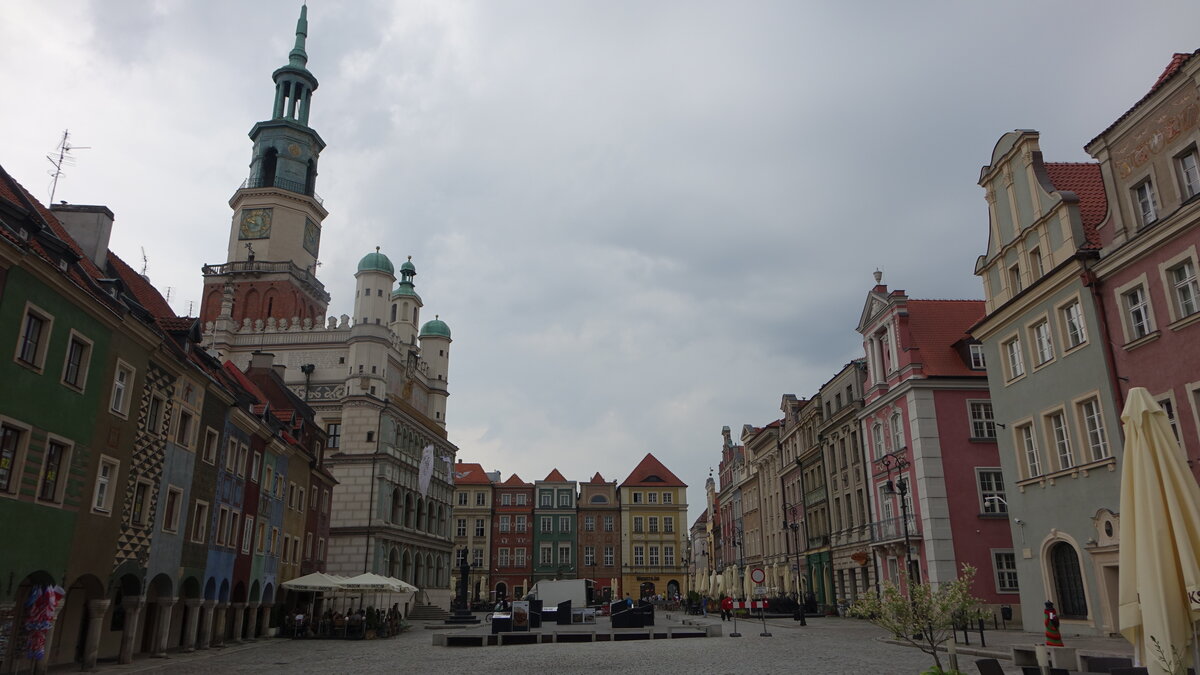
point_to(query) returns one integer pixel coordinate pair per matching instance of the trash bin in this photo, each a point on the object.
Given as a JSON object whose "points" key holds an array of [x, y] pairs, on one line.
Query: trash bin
{"points": [[1006, 612]]}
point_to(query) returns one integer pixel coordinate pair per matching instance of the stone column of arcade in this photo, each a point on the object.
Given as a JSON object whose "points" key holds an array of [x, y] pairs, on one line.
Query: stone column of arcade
{"points": [[133, 615], [264, 620], [91, 649], [206, 624], [239, 617], [191, 620], [163, 631], [252, 621], [218, 639]]}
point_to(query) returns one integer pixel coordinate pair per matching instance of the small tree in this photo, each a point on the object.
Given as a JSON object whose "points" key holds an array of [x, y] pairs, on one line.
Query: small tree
{"points": [[926, 618]]}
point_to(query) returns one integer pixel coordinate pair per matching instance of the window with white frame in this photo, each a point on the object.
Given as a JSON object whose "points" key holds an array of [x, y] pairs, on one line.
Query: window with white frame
{"points": [[222, 524], [1005, 563], [1073, 326], [589, 523], [1060, 439], [261, 538], [321, 549], [1027, 446], [547, 554], [1189, 173], [481, 498], [1043, 347], [877, 439], [978, 362], [1186, 292], [637, 498], [154, 417], [654, 556], [477, 557], [639, 555], [462, 498], [231, 538], [56, 463], [564, 555], [1146, 202], [479, 527], [34, 337], [77, 361], [208, 452], [505, 523], [170, 522], [520, 524], [897, 427], [983, 423], [460, 527], [247, 534], [333, 435], [608, 523], [564, 523], [1137, 312], [1016, 362], [308, 544], [106, 476], [1035, 264], [506, 499], [608, 556], [546, 498], [1014, 279], [118, 401], [589, 555], [183, 428], [668, 498], [637, 523], [546, 524], [565, 498], [652, 497], [502, 557], [199, 521], [519, 557], [522, 499], [1168, 406], [653, 523], [991, 490], [1093, 426], [668, 524], [668, 555]]}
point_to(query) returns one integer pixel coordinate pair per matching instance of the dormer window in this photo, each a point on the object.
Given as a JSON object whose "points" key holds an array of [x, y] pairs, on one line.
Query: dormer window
{"points": [[977, 359]]}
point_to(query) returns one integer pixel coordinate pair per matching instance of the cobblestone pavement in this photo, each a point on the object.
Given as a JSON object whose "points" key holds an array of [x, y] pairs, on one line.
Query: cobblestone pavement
{"points": [[824, 646]]}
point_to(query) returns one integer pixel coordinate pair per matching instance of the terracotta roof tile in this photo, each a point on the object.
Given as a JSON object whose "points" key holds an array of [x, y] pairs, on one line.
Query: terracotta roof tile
{"points": [[1177, 61], [177, 323], [515, 481], [1085, 180], [651, 473], [597, 480], [936, 325], [555, 477], [470, 473], [146, 294]]}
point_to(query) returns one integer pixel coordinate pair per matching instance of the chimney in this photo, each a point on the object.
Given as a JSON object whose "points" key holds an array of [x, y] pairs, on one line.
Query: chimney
{"points": [[89, 226], [280, 369], [262, 360]]}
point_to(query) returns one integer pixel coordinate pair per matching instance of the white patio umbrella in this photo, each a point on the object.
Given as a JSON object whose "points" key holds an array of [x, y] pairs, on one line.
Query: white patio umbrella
{"points": [[317, 581], [1160, 537]]}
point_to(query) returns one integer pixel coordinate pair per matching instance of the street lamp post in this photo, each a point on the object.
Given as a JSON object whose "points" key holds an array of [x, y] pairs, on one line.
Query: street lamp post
{"points": [[739, 544], [794, 526], [900, 487]]}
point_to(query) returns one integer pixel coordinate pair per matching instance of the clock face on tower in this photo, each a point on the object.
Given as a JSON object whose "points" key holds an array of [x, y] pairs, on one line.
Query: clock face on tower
{"points": [[256, 224], [312, 237]]}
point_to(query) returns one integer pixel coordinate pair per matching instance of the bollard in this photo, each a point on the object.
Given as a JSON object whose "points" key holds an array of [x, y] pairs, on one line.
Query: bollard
{"points": [[981, 642], [952, 651]]}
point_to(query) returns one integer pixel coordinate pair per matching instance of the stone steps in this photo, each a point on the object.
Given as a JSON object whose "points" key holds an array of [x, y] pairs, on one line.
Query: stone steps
{"points": [[421, 612]]}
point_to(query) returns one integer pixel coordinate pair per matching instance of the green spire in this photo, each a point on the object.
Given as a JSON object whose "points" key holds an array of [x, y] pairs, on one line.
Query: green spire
{"points": [[298, 57]]}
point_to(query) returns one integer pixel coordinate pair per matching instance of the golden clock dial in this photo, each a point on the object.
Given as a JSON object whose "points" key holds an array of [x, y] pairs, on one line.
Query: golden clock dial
{"points": [[256, 224]]}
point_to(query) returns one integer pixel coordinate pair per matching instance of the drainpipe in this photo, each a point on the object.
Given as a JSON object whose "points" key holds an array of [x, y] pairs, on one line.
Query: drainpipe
{"points": [[1093, 283]]}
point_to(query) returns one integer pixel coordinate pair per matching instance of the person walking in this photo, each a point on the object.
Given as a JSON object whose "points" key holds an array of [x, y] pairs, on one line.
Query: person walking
{"points": [[1053, 636], [726, 608]]}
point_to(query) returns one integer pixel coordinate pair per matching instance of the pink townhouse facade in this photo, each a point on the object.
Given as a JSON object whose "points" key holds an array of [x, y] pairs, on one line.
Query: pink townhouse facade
{"points": [[930, 440], [1148, 267]]}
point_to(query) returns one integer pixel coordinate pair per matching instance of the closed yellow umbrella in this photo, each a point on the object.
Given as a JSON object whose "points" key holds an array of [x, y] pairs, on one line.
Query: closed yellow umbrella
{"points": [[1160, 537]]}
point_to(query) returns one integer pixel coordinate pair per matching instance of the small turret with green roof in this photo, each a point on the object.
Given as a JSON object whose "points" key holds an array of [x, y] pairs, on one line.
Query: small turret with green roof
{"points": [[376, 262], [406, 286], [435, 328]]}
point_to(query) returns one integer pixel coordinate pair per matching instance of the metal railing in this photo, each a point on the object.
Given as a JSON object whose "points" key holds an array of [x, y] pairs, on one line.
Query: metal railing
{"points": [[282, 183], [893, 528]]}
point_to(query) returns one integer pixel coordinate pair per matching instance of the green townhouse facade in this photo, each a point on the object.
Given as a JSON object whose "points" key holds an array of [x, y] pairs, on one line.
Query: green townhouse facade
{"points": [[554, 536]]}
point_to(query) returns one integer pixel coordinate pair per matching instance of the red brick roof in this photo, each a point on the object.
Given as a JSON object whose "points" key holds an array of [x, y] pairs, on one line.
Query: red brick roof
{"points": [[597, 480], [935, 326], [146, 295], [1172, 68], [555, 477], [702, 519], [515, 481], [470, 473], [1084, 179], [651, 473]]}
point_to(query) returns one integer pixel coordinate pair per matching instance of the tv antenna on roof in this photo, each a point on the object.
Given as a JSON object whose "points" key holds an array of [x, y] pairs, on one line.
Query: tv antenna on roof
{"points": [[61, 159], [145, 262]]}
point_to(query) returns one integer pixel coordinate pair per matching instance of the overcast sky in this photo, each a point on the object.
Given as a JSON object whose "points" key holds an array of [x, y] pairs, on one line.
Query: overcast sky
{"points": [[641, 220]]}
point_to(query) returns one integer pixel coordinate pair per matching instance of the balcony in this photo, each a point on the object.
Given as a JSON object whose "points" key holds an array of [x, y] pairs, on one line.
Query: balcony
{"points": [[818, 541], [305, 277], [284, 184], [891, 529], [814, 495]]}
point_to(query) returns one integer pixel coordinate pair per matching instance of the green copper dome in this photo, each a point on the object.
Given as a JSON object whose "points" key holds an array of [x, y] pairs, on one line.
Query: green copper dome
{"points": [[435, 328], [376, 262], [408, 266]]}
